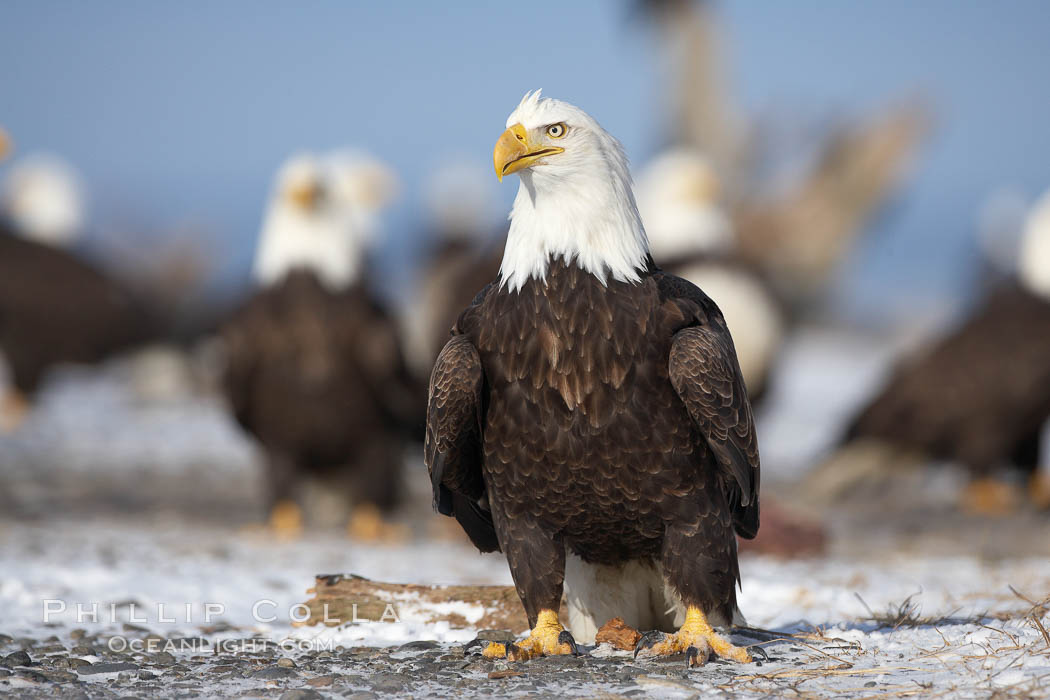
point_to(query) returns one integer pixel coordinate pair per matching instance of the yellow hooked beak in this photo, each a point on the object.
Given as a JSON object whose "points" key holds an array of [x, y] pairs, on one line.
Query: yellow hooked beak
{"points": [[513, 152], [5, 144], [305, 195]]}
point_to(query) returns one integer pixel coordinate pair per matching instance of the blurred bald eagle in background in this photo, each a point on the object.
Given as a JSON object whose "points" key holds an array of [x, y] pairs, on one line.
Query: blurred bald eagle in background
{"points": [[314, 367], [55, 307], [979, 396], [691, 236], [463, 253], [794, 224]]}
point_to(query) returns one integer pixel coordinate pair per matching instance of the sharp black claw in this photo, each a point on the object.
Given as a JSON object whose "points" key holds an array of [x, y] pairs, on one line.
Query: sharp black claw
{"points": [[692, 657], [471, 644], [760, 651], [648, 639], [511, 649], [566, 638]]}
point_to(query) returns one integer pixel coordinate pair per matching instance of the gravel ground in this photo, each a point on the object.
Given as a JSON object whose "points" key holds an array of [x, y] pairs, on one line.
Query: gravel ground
{"points": [[85, 668], [73, 666]]}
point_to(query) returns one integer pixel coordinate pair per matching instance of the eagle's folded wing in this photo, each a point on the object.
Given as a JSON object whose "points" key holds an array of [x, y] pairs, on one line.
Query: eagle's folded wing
{"points": [[704, 371], [453, 441]]}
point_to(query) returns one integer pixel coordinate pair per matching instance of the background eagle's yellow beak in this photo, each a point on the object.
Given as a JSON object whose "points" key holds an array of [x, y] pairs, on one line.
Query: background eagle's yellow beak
{"points": [[5, 144], [306, 195], [514, 152]]}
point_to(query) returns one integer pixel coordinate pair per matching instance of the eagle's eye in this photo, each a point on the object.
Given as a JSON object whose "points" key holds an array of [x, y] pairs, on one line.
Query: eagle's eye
{"points": [[556, 131]]}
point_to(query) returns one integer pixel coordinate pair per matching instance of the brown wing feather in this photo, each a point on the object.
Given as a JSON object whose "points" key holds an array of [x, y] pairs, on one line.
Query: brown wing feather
{"points": [[704, 372], [453, 440]]}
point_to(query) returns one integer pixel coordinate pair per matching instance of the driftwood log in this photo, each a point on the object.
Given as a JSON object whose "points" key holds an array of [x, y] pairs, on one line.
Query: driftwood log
{"points": [[351, 598]]}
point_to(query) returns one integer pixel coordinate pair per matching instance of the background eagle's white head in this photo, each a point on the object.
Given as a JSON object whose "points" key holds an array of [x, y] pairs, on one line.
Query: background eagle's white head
{"points": [[678, 195], [43, 197], [575, 200], [1034, 262], [322, 218]]}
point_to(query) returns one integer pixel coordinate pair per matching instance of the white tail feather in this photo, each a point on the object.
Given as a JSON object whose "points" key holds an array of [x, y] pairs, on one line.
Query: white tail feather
{"points": [[636, 592]]}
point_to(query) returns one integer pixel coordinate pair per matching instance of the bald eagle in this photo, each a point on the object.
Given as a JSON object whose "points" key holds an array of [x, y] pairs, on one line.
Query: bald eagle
{"points": [[980, 395], [55, 308], [588, 417], [314, 365]]}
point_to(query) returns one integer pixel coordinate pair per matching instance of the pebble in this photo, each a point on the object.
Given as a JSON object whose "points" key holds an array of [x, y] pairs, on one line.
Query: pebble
{"points": [[387, 683], [495, 636], [109, 667], [301, 694], [30, 675], [509, 673], [274, 673], [561, 660], [285, 662], [321, 681], [17, 658], [60, 676], [420, 645], [163, 658]]}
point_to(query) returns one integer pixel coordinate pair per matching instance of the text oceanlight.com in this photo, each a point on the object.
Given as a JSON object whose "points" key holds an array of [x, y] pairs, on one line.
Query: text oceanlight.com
{"points": [[154, 645]]}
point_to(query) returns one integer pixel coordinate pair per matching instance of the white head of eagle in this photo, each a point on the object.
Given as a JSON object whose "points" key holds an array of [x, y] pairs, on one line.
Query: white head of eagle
{"points": [[44, 198], [575, 199], [322, 217]]}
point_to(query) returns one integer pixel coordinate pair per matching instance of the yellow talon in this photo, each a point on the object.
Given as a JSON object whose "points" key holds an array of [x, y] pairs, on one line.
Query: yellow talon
{"points": [[1039, 490], [286, 519], [697, 632], [368, 525], [14, 407], [544, 640], [495, 650], [991, 497]]}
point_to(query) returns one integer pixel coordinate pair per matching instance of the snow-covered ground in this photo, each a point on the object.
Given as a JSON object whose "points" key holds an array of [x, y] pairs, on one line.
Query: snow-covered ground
{"points": [[967, 630], [885, 614]]}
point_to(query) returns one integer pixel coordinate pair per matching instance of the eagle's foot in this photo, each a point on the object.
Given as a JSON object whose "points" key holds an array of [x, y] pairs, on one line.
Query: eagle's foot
{"points": [[286, 519], [548, 638], [367, 524], [696, 638], [1039, 490], [989, 496], [13, 410]]}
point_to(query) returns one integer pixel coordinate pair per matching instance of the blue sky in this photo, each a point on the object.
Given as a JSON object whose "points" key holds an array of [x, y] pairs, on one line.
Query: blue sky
{"points": [[180, 112]]}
